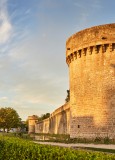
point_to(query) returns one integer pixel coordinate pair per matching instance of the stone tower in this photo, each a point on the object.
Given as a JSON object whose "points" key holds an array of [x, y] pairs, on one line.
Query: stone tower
{"points": [[31, 123], [90, 55]]}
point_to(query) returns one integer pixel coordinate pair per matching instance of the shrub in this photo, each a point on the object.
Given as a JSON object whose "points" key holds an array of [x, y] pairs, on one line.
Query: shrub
{"points": [[14, 148]]}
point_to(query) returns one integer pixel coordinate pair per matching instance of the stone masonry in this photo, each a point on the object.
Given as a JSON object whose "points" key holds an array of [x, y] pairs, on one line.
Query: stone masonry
{"points": [[31, 123], [57, 123], [90, 113], [90, 56]]}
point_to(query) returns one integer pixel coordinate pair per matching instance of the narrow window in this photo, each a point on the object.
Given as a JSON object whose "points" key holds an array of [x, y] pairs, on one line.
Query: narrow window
{"points": [[78, 126]]}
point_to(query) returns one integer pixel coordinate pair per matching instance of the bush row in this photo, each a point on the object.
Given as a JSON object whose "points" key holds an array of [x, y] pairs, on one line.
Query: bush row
{"points": [[14, 148]]}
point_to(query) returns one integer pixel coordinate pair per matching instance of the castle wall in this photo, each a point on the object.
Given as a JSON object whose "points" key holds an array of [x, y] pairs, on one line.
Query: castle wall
{"points": [[57, 123], [31, 123], [90, 113], [42, 126], [91, 59]]}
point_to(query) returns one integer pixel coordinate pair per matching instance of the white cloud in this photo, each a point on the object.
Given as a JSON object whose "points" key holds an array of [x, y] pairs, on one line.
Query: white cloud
{"points": [[5, 24], [3, 98]]}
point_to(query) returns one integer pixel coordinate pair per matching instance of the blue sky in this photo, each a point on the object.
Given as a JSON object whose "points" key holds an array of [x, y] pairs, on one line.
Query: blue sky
{"points": [[33, 72]]}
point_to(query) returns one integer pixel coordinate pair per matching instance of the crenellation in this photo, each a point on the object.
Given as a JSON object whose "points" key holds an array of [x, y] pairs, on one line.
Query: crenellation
{"points": [[110, 47], [89, 50], [85, 51], [71, 57], [96, 49], [103, 48], [75, 55], [113, 46], [79, 53]]}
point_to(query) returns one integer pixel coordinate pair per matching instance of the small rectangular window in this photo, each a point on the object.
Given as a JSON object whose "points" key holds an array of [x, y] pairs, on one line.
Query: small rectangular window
{"points": [[78, 126]]}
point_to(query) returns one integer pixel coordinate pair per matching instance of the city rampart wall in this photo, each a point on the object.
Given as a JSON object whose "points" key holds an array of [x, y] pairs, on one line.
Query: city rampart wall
{"points": [[57, 123], [90, 113]]}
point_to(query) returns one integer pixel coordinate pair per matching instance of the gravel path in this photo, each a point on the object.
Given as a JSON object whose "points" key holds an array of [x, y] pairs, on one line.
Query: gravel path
{"points": [[104, 146]]}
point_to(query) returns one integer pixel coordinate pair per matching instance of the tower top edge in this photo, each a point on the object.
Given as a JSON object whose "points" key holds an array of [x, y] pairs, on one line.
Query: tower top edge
{"points": [[91, 30]]}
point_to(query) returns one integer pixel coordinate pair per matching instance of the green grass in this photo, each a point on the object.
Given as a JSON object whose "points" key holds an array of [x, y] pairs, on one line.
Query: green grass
{"points": [[96, 149], [14, 148]]}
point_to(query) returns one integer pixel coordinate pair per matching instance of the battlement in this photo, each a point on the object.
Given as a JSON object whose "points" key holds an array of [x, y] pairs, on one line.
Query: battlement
{"points": [[96, 49], [92, 40]]}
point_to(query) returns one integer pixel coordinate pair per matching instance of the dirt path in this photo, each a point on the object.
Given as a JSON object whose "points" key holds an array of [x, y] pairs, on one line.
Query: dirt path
{"points": [[104, 146]]}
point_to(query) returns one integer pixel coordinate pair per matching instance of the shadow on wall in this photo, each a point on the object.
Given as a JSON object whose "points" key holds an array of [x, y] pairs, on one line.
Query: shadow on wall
{"points": [[58, 123], [110, 96], [52, 124], [101, 119], [62, 127], [82, 126], [40, 126], [86, 126], [110, 100]]}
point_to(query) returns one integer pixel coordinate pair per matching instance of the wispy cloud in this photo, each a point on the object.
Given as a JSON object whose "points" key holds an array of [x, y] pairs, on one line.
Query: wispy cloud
{"points": [[86, 11], [79, 5], [3, 98], [5, 24], [49, 4], [95, 4]]}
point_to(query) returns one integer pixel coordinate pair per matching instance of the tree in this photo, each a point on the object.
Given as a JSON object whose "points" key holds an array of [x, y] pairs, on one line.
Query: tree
{"points": [[24, 126], [68, 96], [44, 116], [9, 118]]}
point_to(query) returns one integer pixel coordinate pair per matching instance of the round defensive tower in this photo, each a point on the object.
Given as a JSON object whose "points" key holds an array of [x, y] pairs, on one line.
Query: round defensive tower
{"points": [[90, 55], [31, 123]]}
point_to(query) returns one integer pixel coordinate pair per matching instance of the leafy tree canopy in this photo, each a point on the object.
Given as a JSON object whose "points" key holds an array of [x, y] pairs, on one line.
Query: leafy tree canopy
{"points": [[44, 116], [9, 118]]}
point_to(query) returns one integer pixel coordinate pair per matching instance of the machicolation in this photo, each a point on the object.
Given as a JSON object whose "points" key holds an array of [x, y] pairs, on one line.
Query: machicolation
{"points": [[90, 40]]}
